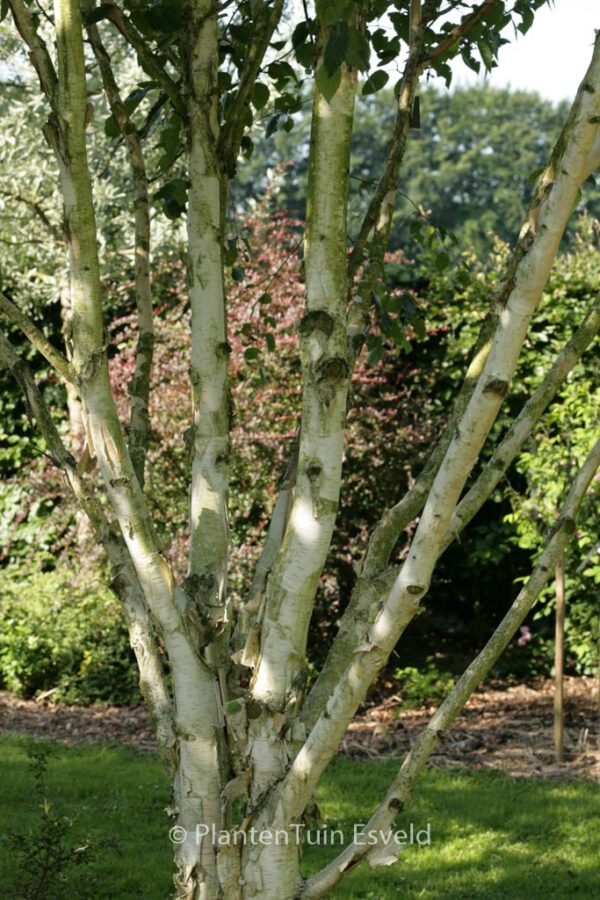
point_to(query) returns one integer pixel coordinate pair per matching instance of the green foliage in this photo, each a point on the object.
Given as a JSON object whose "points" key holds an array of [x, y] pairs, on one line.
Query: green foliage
{"points": [[44, 856], [427, 684], [65, 637]]}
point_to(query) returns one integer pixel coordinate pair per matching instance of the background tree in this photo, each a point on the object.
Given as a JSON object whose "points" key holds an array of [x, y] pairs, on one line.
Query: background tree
{"points": [[471, 165]]}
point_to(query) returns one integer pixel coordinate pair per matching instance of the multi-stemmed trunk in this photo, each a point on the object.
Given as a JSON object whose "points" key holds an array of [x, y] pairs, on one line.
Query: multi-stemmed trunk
{"points": [[243, 738]]}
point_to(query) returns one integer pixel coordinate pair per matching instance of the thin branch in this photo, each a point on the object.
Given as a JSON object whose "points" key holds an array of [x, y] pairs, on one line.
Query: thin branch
{"points": [[38, 55], [147, 58], [39, 211], [386, 187], [233, 127], [41, 343], [139, 388], [381, 207], [459, 32]]}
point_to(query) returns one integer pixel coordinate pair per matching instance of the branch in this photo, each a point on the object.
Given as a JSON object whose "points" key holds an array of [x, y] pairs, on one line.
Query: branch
{"points": [[38, 55], [125, 582], [148, 60], [523, 425], [38, 209], [266, 22], [378, 217], [104, 433], [374, 582], [459, 32], [279, 676], [139, 387], [383, 818], [41, 343], [273, 540], [209, 437], [381, 208]]}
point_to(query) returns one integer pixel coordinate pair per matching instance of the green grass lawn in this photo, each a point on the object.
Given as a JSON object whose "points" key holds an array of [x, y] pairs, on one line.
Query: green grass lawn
{"points": [[491, 836]]}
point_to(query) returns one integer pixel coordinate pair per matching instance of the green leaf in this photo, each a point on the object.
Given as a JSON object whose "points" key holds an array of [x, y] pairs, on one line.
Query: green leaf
{"points": [[111, 129], [133, 100], [224, 81], [305, 55], [375, 353], [272, 126], [527, 19], [469, 60], [170, 143], [265, 298], [249, 354], [281, 72], [300, 35], [328, 84], [233, 708], [442, 261], [247, 146], [241, 33], [270, 341], [260, 95], [375, 82], [230, 254], [336, 48], [401, 25], [487, 55], [359, 50], [253, 709], [174, 193]]}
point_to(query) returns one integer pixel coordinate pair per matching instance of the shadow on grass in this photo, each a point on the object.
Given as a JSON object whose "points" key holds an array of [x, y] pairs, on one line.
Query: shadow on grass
{"points": [[491, 836]]}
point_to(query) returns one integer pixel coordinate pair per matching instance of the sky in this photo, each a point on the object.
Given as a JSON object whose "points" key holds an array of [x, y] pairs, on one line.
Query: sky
{"points": [[551, 58]]}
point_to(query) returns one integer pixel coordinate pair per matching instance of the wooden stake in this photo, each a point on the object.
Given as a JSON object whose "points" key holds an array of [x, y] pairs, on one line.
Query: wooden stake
{"points": [[559, 658]]}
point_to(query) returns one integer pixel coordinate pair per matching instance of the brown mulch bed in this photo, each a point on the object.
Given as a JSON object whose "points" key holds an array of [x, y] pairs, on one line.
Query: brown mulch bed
{"points": [[507, 728]]}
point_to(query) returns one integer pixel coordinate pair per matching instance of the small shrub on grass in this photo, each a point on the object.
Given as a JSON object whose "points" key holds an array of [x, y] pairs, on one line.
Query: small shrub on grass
{"points": [[45, 855], [419, 686], [61, 636]]}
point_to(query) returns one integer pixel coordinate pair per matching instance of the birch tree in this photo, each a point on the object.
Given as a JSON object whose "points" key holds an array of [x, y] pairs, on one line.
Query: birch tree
{"points": [[243, 733]]}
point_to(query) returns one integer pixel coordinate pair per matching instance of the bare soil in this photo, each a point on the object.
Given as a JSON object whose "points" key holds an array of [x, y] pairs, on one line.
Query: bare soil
{"points": [[507, 728]]}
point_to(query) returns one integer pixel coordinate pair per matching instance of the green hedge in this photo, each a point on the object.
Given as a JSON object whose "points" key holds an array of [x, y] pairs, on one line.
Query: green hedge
{"points": [[59, 635]]}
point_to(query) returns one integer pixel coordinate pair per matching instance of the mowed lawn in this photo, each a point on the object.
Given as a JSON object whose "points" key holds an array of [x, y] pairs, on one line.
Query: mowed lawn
{"points": [[491, 836]]}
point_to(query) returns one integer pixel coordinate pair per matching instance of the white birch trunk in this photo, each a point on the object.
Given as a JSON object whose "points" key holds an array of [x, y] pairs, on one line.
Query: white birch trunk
{"points": [[197, 716], [209, 438]]}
